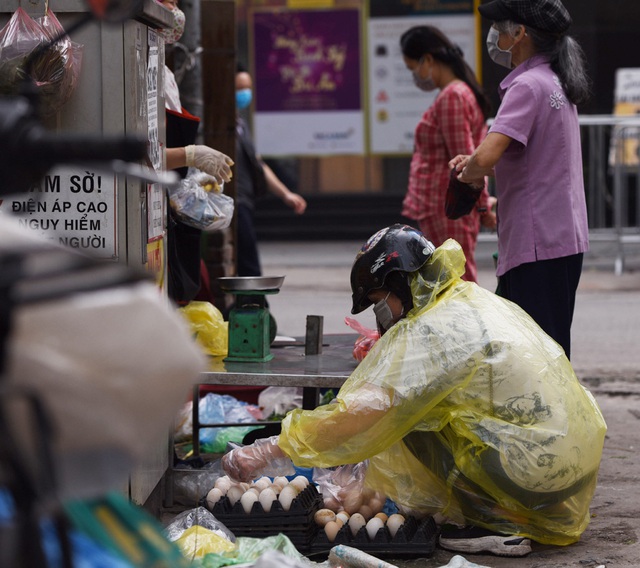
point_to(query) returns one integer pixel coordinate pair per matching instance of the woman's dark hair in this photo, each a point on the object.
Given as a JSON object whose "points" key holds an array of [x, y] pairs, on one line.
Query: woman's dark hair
{"points": [[419, 41], [566, 58]]}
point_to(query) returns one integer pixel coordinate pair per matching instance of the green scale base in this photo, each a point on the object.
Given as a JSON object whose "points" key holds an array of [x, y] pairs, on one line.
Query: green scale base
{"points": [[251, 329]]}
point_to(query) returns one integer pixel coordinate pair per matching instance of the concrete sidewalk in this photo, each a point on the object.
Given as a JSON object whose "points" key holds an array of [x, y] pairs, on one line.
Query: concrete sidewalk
{"points": [[606, 357]]}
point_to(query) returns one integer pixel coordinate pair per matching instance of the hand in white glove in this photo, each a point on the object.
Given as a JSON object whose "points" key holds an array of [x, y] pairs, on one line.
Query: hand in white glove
{"points": [[205, 180], [210, 161], [263, 457]]}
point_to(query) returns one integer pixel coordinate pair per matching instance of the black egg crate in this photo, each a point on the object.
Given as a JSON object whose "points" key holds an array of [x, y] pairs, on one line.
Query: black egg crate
{"points": [[297, 523], [414, 539]]}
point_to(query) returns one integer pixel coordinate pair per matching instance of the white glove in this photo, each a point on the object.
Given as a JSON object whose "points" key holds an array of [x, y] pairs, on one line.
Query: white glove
{"points": [[210, 161], [263, 457]]}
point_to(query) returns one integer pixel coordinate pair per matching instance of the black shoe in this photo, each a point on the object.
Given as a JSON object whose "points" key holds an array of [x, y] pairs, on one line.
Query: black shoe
{"points": [[476, 540]]}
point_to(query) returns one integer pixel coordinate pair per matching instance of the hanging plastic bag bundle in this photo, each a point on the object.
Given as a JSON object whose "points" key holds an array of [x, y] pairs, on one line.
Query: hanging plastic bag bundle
{"points": [[199, 202], [57, 73], [25, 54]]}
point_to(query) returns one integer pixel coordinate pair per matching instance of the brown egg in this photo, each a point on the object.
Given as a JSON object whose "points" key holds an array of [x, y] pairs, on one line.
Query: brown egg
{"points": [[324, 516], [366, 512], [331, 529], [376, 505], [332, 503], [394, 522], [352, 502]]}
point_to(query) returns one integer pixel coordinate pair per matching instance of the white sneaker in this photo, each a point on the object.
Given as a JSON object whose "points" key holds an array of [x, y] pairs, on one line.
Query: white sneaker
{"points": [[476, 540]]}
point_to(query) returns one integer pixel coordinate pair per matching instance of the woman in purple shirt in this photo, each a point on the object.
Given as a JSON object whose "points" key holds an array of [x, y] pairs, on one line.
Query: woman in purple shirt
{"points": [[533, 149]]}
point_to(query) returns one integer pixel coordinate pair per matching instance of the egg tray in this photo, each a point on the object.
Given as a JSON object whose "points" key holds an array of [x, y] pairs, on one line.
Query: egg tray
{"points": [[299, 516], [300, 536], [414, 539]]}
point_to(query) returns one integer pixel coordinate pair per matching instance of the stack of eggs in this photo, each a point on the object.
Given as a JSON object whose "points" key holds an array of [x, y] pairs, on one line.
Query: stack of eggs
{"points": [[333, 522], [357, 509], [262, 490]]}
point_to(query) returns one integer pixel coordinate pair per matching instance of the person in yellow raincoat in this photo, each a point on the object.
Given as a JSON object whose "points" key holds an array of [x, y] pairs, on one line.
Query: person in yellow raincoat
{"points": [[464, 407]]}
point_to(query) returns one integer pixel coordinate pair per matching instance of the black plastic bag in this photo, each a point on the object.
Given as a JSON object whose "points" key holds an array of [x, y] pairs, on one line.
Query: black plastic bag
{"points": [[461, 197]]}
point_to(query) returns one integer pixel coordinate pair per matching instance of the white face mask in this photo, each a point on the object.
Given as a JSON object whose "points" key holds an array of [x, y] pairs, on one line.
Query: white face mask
{"points": [[499, 56], [384, 315], [173, 34], [423, 84]]}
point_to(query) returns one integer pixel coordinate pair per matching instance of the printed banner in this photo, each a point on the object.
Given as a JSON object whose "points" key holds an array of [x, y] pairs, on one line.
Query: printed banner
{"points": [[384, 8], [625, 146], [395, 103], [307, 77]]}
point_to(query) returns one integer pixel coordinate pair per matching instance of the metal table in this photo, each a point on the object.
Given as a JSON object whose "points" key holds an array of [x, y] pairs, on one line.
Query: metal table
{"points": [[289, 367]]}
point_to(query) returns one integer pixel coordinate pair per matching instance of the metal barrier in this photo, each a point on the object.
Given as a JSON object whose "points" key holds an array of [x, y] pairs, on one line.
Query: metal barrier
{"points": [[612, 174], [611, 162]]}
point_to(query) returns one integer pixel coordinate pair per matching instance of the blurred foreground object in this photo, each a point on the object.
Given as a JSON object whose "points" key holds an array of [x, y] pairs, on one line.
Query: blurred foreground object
{"points": [[101, 347]]}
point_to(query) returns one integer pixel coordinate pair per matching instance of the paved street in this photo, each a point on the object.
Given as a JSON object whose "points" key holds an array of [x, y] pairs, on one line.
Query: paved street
{"points": [[606, 327], [606, 357]]}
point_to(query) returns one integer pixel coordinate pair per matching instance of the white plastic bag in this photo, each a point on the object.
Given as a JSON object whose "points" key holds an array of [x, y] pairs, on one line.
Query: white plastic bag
{"points": [[201, 205], [279, 400]]}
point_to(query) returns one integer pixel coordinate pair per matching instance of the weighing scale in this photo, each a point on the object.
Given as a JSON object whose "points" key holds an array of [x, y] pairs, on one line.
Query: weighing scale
{"points": [[251, 326]]}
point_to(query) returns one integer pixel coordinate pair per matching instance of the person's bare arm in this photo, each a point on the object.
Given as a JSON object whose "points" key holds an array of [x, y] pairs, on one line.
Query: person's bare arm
{"points": [[481, 163], [176, 158], [280, 190]]}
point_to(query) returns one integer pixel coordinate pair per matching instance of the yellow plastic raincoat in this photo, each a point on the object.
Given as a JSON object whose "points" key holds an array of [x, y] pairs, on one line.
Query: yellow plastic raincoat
{"points": [[465, 407]]}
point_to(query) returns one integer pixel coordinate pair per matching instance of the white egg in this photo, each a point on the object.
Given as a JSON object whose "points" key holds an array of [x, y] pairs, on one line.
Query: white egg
{"points": [[223, 483], [244, 485], [280, 481], [234, 494], [253, 490], [373, 526], [267, 497], [331, 529], [247, 500], [394, 522], [262, 483], [286, 497], [213, 497], [343, 516], [300, 482], [356, 522], [323, 516]]}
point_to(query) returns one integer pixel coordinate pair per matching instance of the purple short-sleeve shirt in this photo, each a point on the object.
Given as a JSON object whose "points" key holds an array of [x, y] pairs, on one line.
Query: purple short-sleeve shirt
{"points": [[542, 212]]}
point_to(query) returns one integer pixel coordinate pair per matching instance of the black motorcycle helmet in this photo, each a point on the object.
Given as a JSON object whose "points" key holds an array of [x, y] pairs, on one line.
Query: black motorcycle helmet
{"points": [[384, 262]]}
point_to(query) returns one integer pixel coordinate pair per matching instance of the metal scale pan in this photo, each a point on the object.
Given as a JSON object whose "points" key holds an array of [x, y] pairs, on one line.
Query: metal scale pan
{"points": [[250, 283]]}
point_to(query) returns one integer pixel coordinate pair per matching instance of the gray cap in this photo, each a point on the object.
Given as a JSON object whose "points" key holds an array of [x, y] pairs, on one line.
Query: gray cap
{"points": [[544, 15]]}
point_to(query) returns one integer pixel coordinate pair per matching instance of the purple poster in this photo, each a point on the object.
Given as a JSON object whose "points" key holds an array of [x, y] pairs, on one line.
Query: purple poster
{"points": [[307, 60]]}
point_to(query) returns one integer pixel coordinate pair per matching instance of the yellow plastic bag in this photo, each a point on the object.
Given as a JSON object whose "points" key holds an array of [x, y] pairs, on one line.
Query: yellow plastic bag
{"points": [[465, 407], [197, 541], [208, 326]]}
